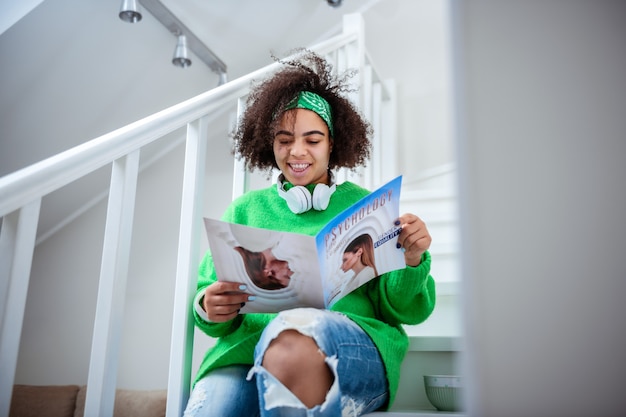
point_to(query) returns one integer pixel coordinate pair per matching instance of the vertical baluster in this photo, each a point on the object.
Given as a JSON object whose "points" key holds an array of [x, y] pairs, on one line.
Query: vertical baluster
{"points": [[389, 132], [333, 58], [187, 265], [354, 58], [341, 64], [17, 242], [366, 91], [367, 109], [240, 176], [107, 331], [377, 161], [355, 53]]}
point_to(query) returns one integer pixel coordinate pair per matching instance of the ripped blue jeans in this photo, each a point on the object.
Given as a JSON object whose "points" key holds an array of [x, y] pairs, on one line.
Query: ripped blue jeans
{"points": [[360, 384]]}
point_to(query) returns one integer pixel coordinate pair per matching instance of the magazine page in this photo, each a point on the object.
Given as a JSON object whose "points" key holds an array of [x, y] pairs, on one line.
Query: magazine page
{"points": [[360, 243], [279, 268]]}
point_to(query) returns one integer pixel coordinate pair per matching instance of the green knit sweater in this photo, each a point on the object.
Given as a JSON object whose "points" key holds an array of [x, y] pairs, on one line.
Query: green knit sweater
{"points": [[380, 306]]}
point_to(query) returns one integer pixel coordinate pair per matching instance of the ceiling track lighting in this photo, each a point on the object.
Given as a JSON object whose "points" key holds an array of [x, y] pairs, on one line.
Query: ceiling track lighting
{"points": [[334, 3], [194, 45], [129, 11], [186, 40], [181, 54]]}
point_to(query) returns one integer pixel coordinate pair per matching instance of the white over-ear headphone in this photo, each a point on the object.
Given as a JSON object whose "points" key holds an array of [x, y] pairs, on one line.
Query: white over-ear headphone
{"points": [[300, 199]]}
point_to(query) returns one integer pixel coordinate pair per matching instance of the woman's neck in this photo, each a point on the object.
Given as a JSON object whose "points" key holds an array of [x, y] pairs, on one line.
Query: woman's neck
{"points": [[358, 267]]}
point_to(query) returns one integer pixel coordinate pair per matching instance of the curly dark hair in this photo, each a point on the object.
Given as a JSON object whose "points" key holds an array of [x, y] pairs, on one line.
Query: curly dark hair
{"points": [[305, 71]]}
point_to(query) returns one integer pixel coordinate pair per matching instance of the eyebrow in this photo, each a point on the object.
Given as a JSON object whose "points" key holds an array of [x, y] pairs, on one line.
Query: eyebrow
{"points": [[309, 133]]}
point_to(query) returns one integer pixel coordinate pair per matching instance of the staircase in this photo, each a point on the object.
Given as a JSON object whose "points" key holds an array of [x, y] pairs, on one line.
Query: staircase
{"points": [[22, 194], [433, 198]]}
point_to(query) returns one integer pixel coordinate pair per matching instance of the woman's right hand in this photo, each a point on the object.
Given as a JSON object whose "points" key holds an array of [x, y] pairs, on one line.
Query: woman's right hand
{"points": [[223, 300]]}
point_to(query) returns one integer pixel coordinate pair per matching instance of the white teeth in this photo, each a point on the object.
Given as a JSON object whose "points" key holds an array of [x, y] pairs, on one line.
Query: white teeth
{"points": [[299, 166]]}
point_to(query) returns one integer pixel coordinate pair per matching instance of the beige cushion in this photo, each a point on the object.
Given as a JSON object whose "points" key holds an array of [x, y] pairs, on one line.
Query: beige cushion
{"points": [[130, 403], [41, 400]]}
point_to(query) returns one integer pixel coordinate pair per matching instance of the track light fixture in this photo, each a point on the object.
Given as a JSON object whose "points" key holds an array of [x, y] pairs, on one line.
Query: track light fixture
{"points": [[187, 41], [223, 78], [129, 11], [334, 3], [181, 54]]}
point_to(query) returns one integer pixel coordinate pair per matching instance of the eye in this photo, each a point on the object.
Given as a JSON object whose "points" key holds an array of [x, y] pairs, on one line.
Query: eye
{"points": [[283, 140], [314, 138]]}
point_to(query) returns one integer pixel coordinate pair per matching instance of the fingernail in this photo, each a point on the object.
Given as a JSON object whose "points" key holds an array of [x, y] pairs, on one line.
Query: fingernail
{"points": [[252, 298], [398, 245], [243, 287], [397, 222]]}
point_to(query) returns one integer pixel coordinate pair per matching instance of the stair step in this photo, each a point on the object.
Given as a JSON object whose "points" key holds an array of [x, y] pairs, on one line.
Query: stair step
{"points": [[427, 194], [443, 248], [430, 205], [438, 208], [444, 270]]}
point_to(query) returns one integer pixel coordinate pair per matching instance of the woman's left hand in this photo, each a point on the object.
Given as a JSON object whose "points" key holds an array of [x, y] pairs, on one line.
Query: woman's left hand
{"points": [[414, 238]]}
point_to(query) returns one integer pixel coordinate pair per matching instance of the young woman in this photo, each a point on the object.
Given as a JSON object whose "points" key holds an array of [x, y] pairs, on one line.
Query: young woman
{"points": [[307, 362]]}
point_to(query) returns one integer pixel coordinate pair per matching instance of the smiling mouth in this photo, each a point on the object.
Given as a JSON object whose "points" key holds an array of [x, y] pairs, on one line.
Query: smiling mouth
{"points": [[299, 167]]}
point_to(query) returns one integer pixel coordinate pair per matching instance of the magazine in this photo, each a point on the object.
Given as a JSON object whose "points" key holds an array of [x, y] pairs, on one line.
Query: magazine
{"points": [[286, 270]]}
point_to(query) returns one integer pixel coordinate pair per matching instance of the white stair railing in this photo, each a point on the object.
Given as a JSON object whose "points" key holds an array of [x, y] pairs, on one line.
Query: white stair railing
{"points": [[20, 200]]}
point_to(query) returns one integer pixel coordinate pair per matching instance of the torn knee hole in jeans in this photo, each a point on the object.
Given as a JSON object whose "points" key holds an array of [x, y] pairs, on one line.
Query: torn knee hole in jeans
{"points": [[308, 322], [275, 394]]}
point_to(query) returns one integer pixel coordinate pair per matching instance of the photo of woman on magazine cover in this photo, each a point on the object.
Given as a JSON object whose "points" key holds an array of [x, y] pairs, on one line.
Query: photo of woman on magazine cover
{"points": [[359, 258]]}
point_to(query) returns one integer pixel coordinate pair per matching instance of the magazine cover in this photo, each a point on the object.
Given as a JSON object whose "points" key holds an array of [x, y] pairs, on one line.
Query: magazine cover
{"points": [[287, 270]]}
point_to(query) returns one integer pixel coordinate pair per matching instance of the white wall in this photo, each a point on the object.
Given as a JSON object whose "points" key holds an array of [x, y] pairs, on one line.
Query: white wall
{"points": [[541, 168], [409, 41], [81, 73]]}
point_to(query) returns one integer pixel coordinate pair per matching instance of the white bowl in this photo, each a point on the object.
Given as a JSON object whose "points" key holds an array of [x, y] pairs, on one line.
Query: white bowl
{"points": [[444, 391]]}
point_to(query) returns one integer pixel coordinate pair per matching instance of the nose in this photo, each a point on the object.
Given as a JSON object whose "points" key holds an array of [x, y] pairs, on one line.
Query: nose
{"points": [[298, 148]]}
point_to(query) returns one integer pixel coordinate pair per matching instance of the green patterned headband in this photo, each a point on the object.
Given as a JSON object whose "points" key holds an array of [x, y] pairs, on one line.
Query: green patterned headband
{"points": [[311, 101]]}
